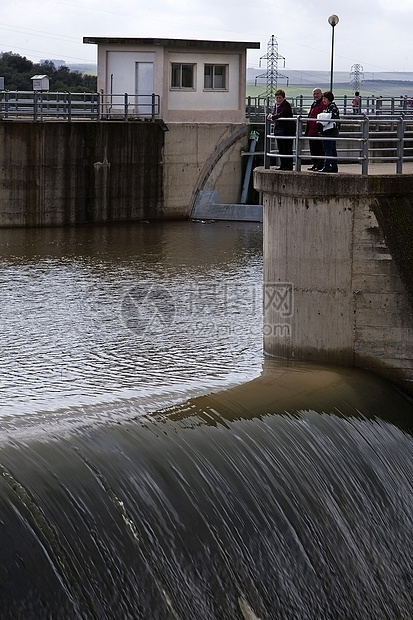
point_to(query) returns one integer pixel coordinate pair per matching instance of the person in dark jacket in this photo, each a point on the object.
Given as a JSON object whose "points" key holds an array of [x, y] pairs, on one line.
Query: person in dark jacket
{"points": [[328, 126], [282, 110], [316, 146]]}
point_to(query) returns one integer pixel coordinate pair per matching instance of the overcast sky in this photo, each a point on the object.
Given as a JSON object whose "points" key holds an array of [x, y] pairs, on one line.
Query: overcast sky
{"points": [[376, 34]]}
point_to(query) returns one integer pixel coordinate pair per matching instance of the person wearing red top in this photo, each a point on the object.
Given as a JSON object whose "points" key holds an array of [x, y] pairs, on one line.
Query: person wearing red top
{"points": [[356, 103], [316, 146]]}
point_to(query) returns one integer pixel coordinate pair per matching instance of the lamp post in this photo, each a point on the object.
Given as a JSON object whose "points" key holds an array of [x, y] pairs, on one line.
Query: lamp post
{"points": [[333, 21]]}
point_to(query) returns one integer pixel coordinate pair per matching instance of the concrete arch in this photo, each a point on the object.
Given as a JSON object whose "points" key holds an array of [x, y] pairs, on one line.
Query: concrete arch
{"points": [[212, 161]]}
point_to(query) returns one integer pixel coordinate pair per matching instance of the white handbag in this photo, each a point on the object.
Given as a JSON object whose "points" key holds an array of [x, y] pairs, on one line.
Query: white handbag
{"points": [[325, 119]]}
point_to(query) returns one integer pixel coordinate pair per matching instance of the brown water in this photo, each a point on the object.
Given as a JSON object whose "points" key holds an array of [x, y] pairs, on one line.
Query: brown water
{"points": [[147, 311], [154, 466]]}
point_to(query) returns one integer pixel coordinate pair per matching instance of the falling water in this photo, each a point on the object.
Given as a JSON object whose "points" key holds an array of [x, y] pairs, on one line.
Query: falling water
{"points": [[151, 469]]}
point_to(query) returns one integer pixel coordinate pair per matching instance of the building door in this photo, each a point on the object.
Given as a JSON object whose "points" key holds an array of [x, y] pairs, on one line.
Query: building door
{"points": [[144, 87]]}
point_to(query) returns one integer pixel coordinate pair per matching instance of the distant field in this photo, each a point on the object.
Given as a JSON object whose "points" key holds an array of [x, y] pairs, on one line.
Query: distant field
{"points": [[86, 69], [376, 88]]}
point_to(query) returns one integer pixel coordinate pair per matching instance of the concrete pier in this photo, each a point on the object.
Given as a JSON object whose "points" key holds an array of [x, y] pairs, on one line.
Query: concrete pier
{"points": [[338, 269]]}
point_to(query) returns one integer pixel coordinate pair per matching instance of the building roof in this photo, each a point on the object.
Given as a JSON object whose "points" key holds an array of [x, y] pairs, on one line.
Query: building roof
{"points": [[193, 43]]}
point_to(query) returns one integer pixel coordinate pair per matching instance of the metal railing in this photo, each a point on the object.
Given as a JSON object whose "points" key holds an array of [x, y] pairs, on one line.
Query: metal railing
{"points": [[42, 106], [361, 141], [39, 105], [258, 107]]}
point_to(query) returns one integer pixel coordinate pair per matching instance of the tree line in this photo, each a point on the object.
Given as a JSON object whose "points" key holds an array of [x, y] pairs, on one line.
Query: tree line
{"points": [[18, 70]]}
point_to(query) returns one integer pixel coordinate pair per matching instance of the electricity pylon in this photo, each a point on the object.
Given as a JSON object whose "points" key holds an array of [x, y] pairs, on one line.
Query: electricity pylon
{"points": [[272, 57], [356, 77]]}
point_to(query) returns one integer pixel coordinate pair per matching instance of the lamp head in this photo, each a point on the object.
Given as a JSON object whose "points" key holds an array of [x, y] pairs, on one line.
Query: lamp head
{"points": [[333, 20]]}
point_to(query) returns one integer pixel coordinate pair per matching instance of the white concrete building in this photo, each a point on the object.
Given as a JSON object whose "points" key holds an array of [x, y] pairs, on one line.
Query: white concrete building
{"points": [[195, 81]]}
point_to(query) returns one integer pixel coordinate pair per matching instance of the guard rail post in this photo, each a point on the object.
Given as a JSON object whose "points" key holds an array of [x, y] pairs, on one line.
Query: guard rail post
{"points": [[6, 105], [400, 145], [365, 146], [125, 115], [35, 106], [248, 111], [298, 141], [153, 109], [99, 106], [267, 142]]}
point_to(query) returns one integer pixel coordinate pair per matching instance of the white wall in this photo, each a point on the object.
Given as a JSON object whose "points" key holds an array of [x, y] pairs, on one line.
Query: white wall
{"points": [[122, 66], [198, 98], [116, 74]]}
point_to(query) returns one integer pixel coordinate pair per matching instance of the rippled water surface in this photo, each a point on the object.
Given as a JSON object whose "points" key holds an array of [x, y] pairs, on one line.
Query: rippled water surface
{"points": [[147, 311], [253, 488]]}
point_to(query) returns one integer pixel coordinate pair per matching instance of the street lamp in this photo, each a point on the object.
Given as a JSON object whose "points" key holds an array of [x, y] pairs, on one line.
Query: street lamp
{"points": [[333, 21]]}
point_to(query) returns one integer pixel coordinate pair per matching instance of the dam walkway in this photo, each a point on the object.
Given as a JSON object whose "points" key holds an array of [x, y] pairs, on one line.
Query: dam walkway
{"points": [[362, 141]]}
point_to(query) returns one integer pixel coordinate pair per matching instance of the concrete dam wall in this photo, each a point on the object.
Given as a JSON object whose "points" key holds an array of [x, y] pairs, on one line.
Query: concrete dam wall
{"points": [[67, 173], [61, 173], [338, 257]]}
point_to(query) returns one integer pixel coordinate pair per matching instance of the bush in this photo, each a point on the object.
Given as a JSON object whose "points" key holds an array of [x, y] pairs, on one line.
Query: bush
{"points": [[18, 70]]}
